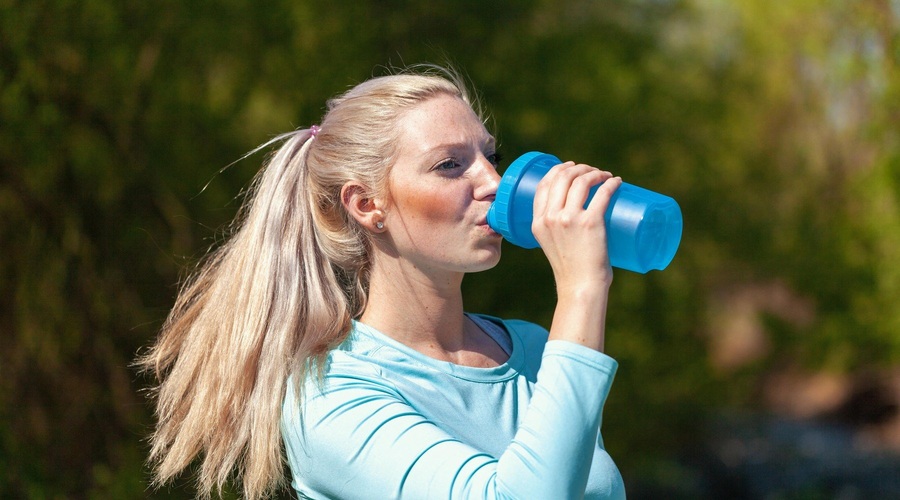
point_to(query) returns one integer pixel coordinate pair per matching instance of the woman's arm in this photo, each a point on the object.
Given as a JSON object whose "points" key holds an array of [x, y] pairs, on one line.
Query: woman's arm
{"points": [[574, 240]]}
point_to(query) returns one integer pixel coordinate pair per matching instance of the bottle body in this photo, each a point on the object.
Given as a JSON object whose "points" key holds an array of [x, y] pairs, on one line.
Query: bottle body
{"points": [[643, 227]]}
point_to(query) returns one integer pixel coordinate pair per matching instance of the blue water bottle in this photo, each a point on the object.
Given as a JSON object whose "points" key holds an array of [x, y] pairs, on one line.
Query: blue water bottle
{"points": [[643, 228]]}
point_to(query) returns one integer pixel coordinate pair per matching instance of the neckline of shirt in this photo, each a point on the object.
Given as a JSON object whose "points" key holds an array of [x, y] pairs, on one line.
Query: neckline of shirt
{"points": [[504, 371]]}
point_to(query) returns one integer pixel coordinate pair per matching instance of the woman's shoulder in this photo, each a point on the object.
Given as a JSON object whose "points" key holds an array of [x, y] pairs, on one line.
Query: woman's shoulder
{"points": [[369, 352], [351, 365]]}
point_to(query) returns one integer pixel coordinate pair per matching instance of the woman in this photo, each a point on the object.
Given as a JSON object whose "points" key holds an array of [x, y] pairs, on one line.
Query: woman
{"points": [[332, 320]]}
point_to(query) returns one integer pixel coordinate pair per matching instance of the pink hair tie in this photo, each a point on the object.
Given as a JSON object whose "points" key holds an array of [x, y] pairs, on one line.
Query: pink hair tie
{"points": [[314, 131]]}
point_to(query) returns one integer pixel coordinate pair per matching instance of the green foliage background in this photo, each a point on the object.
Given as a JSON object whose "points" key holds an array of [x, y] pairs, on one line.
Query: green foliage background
{"points": [[774, 124]]}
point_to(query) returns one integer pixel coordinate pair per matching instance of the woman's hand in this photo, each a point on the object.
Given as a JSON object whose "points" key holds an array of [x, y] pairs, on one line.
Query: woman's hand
{"points": [[574, 237], [574, 240]]}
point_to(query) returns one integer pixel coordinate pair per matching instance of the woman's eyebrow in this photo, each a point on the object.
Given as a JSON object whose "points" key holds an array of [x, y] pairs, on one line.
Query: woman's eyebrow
{"points": [[450, 146]]}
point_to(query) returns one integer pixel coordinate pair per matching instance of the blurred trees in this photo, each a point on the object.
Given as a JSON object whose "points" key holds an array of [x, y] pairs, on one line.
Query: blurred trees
{"points": [[774, 125]]}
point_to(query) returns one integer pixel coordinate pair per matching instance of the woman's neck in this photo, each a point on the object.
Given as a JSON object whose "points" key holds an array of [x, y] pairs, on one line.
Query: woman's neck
{"points": [[426, 314], [414, 308]]}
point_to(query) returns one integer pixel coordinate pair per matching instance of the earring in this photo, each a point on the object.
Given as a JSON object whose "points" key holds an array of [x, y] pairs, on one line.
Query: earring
{"points": [[379, 225]]}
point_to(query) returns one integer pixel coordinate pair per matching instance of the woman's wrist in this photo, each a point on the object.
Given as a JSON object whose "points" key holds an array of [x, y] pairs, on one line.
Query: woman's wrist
{"points": [[580, 316], [586, 291]]}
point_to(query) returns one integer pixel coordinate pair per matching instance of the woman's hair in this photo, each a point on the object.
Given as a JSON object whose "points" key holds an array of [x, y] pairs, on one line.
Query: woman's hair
{"points": [[279, 294]]}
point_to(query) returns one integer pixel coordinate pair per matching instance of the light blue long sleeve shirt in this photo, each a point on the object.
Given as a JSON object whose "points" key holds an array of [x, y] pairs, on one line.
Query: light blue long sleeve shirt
{"points": [[390, 422]]}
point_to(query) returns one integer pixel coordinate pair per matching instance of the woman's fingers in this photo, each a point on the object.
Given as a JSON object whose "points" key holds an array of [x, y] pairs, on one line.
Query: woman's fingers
{"points": [[572, 236], [546, 195], [581, 186], [603, 196], [564, 183], [568, 185]]}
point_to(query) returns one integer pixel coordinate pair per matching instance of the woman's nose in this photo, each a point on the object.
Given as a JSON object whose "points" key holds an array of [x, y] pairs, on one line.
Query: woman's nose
{"points": [[488, 180]]}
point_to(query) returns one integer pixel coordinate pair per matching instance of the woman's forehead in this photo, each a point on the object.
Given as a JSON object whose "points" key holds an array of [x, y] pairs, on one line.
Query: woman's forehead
{"points": [[441, 121]]}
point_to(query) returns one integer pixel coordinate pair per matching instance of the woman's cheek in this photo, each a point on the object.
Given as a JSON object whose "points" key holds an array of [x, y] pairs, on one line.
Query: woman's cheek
{"points": [[427, 205]]}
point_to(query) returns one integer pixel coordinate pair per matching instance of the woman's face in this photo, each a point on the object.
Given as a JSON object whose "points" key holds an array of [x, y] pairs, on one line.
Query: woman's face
{"points": [[441, 187]]}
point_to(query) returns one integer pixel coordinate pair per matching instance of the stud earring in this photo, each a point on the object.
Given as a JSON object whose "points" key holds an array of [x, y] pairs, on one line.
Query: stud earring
{"points": [[379, 225]]}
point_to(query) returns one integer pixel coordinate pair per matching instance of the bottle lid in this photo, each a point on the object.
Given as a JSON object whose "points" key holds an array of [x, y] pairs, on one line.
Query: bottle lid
{"points": [[512, 212]]}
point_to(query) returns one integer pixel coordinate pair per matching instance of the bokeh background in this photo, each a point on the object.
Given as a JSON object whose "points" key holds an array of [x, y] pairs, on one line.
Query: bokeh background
{"points": [[763, 363]]}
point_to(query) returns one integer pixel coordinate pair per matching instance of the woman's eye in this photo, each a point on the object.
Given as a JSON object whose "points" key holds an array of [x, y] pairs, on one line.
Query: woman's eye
{"points": [[495, 159], [448, 164]]}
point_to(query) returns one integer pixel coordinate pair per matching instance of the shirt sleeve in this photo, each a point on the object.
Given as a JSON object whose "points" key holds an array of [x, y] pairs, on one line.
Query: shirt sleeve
{"points": [[359, 438]]}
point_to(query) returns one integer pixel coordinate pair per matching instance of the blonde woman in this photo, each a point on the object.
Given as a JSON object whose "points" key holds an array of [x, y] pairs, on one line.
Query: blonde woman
{"points": [[330, 329]]}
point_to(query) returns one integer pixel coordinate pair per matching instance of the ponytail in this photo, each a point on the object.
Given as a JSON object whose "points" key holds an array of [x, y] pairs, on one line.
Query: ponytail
{"points": [[262, 306]]}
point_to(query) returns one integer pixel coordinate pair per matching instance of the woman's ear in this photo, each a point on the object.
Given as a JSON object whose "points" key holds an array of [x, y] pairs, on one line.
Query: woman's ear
{"points": [[368, 212]]}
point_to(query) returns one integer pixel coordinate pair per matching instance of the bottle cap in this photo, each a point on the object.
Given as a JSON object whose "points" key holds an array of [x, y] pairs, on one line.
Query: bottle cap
{"points": [[512, 212]]}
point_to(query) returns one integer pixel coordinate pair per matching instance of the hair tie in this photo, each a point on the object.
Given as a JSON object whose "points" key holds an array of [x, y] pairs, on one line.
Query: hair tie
{"points": [[314, 131]]}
